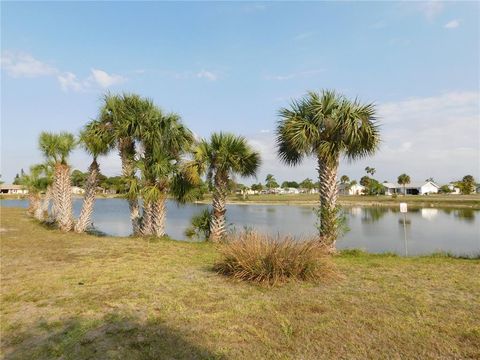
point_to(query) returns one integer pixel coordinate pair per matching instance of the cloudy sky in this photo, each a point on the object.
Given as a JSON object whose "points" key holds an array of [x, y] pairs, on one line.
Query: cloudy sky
{"points": [[232, 66]]}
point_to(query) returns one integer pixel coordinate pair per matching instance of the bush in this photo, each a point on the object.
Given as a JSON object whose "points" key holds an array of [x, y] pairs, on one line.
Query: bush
{"points": [[200, 225], [268, 260]]}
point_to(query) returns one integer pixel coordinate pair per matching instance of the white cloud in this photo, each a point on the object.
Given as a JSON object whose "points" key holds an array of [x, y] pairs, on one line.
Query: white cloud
{"points": [[204, 74], [104, 80], [24, 65], [431, 9], [452, 24], [69, 81], [18, 64], [300, 74], [303, 36]]}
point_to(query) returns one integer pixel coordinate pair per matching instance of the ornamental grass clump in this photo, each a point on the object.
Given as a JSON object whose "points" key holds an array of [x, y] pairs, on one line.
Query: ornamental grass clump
{"points": [[273, 260]]}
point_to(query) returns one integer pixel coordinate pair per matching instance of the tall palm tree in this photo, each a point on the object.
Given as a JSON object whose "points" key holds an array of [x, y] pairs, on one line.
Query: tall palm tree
{"points": [[327, 125], [164, 140], [404, 179], [223, 157], [97, 140], [56, 148], [123, 115]]}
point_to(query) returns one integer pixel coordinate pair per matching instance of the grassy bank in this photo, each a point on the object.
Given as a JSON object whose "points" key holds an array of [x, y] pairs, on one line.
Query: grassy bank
{"points": [[438, 201], [82, 297]]}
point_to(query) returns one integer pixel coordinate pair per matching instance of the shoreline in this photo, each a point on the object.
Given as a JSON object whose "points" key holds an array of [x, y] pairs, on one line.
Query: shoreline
{"points": [[433, 201]]}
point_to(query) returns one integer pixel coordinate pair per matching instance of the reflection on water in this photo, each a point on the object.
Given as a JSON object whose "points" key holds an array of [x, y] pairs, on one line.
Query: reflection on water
{"points": [[374, 229]]}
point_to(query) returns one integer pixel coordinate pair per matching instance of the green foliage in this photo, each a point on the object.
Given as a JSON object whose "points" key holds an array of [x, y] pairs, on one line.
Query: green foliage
{"points": [[290, 184], [263, 259], [57, 147], [372, 186], [78, 178], [370, 170], [344, 179], [467, 185], [444, 189], [271, 182], [200, 225], [257, 187], [307, 184], [326, 125], [403, 179]]}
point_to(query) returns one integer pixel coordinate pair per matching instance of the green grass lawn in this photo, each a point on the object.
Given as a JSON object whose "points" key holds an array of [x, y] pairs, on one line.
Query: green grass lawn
{"points": [[74, 296], [437, 200]]}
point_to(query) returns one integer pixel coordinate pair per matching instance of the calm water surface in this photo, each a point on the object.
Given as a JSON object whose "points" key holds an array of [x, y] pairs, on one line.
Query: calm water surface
{"points": [[375, 230]]}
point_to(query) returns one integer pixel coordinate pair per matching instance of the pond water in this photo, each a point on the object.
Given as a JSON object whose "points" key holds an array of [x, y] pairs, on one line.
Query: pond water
{"points": [[373, 229]]}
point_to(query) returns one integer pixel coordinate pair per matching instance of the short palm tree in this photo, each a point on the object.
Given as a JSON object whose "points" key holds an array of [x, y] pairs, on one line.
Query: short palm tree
{"points": [[97, 140], [56, 148], [327, 125], [222, 157], [36, 183], [404, 179]]}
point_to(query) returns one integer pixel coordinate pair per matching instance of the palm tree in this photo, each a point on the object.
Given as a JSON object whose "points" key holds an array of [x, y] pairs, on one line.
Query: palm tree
{"points": [[123, 115], [223, 157], [164, 141], [271, 182], [97, 140], [344, 179], [404, 179], [370, 170], [327, 125], [35, 183], [56, 148]]}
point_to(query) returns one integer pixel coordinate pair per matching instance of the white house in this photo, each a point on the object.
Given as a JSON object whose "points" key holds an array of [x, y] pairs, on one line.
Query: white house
{"points": [[291, 190], [347, 189], [13, 189], [77, 190], [453, 189], [415, 188]]}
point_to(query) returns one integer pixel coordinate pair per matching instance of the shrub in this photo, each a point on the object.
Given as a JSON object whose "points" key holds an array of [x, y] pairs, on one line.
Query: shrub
{"points": [[200, 225], [272, 260]]}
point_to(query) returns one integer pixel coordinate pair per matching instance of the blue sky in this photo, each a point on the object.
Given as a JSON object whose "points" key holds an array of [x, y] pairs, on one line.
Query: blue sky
{"points": [[231, 66]]}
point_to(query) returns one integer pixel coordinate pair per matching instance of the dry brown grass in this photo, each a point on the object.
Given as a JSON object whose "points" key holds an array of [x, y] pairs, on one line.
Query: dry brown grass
{"points": [[271, 260], [77, 296]]}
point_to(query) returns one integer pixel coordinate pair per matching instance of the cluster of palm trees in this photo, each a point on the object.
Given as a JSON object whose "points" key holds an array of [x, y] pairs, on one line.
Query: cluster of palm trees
{"points": [[160, 157]]}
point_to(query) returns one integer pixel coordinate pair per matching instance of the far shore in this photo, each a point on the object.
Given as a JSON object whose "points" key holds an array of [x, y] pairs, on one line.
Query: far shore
{"points": [[416, 201]]}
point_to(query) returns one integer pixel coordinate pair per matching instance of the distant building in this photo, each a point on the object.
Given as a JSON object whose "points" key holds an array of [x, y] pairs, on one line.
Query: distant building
{"points": [[420, 188], [77, 190], [347, 189], [453, 189], [11, 189]]}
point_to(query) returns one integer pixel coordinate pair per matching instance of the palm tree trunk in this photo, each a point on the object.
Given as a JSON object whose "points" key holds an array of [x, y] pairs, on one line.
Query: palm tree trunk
{"points": [[85, 218], [147, 225], [63, 197], [217, 226], [127, 154], [46, 202], [34, 206], [328, 211], [159, 215]]}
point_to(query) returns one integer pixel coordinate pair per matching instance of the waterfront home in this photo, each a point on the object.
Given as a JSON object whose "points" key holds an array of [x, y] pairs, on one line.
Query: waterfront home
{"points": [[347, 189], [453, 189], [11, 189], [77, 190], [414, 188]]}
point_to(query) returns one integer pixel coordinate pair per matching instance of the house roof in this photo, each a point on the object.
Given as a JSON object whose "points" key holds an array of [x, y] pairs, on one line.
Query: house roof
{"points": [[412, 185], [12, 187]]}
